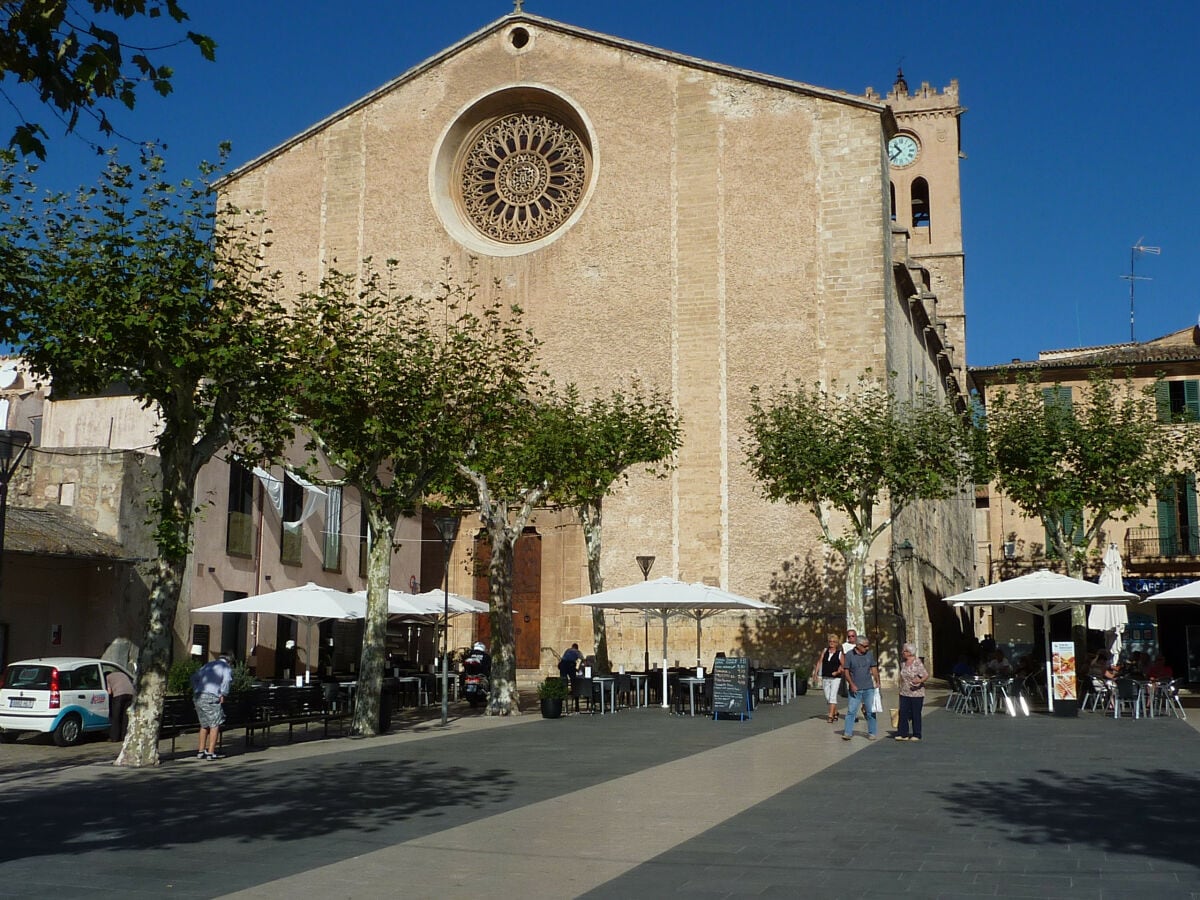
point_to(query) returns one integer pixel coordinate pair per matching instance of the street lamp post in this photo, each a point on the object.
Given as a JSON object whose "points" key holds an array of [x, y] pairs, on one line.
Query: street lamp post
{"points": [[645, 563], [447, 527], [13, 445]]}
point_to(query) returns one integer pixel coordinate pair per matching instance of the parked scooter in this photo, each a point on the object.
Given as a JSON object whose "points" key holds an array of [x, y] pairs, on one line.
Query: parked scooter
{"points": [[477, 670]]}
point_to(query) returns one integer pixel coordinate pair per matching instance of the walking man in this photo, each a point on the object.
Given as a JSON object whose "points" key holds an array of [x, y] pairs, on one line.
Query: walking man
{"points": [[210, 687], [862, 681]]}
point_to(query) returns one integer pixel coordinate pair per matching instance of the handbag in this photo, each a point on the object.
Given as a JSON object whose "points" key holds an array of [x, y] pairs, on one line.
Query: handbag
{"points": [[877, 701]]}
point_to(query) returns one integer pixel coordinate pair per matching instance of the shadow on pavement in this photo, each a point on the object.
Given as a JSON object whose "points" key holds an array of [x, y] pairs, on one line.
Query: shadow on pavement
{"points": [[1126, 811], [324, 797]]}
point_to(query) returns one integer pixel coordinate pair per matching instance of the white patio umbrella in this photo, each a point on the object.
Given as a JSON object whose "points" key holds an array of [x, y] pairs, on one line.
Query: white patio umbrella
{"points": [[1041, 593], [310, 604], [1112, 617], [663, 598], [1185, 593], [430, 603]]}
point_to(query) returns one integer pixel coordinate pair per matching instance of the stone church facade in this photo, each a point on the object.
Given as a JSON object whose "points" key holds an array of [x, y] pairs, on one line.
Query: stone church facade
{"points": [[699, 227]]}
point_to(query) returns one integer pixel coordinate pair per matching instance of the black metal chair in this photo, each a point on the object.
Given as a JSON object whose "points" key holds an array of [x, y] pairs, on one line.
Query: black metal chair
{"points": [[583, 690]]}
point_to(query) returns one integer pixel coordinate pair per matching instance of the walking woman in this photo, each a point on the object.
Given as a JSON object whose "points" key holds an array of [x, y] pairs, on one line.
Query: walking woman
{"points": [[912, 693], [829, 665]]}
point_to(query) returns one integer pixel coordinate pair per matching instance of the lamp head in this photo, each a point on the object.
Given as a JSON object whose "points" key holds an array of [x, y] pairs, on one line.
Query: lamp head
{"points": [[645, 563]]}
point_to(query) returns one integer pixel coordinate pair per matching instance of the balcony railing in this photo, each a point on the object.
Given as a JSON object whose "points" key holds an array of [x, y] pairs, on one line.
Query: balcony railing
{"points": [[1146, 542]]}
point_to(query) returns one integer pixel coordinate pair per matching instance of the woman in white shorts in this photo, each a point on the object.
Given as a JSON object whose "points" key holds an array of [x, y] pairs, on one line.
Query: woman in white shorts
{"points": [[829, 667]]}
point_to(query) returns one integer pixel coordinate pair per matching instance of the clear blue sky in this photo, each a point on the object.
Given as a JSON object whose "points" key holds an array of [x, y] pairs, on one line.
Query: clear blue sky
{"points": [[1081, 135]]}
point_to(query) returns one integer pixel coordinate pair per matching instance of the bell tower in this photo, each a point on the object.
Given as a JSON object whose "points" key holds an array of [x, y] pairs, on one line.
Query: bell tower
{"points": [[923, 157]]}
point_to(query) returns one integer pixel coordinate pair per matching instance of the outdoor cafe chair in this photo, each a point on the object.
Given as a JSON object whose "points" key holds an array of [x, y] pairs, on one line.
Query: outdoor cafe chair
{"points": [[1128, 694], [1165, 698], [583, 689], [955, 698], [975, 696], [623, 690], [1100, 695]]}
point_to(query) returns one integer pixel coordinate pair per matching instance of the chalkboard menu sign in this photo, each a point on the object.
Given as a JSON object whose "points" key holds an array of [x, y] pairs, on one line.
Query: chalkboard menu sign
{"points": [[731, 687]]}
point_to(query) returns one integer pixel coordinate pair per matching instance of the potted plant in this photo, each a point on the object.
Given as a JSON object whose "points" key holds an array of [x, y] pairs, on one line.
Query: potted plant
{"points": [[552, 693]]}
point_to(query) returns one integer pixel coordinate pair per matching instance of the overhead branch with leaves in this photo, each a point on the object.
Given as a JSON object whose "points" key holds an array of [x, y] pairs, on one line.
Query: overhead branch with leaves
{"points": [[851, 451], [78, 65]]}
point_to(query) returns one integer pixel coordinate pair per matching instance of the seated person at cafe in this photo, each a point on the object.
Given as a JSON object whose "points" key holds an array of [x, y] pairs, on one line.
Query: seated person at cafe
{"points": [[963, 667], [997, 664], [1159, 670], [1026, 666]]}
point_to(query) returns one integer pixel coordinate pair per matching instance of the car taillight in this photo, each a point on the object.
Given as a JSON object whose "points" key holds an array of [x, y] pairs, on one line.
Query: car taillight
{"points": [[55, 696], [1, 682]]}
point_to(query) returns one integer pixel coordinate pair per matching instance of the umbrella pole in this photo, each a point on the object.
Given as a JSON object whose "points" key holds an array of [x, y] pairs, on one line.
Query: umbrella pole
{"points": [[665, 703], [1049, 672], [308, 652], [697, 639]]}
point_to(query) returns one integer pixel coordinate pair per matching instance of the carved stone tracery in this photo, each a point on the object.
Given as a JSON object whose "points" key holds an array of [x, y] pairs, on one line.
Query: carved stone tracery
{"points": [[522, 176]]}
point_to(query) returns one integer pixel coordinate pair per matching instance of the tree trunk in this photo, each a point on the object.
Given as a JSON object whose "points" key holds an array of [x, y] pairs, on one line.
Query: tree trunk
{"points": [[502, 695], [856, 563], [590, 515], [370, 668], [173, 538]]}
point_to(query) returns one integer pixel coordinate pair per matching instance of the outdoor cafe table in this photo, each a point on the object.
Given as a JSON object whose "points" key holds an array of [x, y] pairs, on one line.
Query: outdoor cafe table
{"points": [[787, 684], [691, 682], [641, 687], [606, 683]]}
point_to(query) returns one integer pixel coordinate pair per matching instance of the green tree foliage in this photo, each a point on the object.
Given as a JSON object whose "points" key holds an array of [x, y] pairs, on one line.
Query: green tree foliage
{"points": [[518, 454], [393, 391], [1056, 455], [850, 450], [77, 64], [609, 436], [141, 283]]}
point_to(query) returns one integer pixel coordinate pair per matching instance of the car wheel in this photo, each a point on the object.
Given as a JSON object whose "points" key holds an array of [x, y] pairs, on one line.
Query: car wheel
{"points": [[69, 731], [7, 737]]}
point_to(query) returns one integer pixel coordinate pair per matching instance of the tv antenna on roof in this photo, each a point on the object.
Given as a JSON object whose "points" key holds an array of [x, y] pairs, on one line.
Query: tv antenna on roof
{"points": [[1137, 248]]}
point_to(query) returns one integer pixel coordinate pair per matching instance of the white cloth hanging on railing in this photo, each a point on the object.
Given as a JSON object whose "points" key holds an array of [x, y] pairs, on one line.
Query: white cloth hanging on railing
{"points": [[274, 490]]}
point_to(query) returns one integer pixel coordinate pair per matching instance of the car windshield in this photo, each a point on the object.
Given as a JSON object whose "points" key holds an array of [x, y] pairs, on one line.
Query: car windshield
{"points": [[27, 677]]}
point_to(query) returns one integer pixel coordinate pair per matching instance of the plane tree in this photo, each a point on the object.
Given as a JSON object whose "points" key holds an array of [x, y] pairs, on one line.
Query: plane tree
{"points": [[145, 284], [392, 390], [862, 452], [1077, 459], [610, 435]]}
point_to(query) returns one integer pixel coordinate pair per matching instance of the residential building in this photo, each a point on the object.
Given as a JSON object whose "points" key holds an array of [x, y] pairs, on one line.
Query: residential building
{"points": [[1160, 546]]}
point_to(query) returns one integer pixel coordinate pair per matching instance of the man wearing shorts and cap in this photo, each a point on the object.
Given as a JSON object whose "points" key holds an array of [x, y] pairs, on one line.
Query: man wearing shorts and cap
{"points": [[210, 687]]}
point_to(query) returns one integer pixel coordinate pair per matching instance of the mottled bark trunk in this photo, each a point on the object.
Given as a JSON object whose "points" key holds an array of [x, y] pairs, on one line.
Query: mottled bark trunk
{"points": [[856, 563], [502, 697], [176, 494], [590, 515], [371, 663]]}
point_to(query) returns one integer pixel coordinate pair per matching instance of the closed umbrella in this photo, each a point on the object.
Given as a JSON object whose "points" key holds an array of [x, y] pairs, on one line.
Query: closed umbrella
{"points": [[1110, 618]]}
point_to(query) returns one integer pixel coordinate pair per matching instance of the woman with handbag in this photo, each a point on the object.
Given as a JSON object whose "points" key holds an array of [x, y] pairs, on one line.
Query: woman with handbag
{"points": [[829, 668], [913, 676]]}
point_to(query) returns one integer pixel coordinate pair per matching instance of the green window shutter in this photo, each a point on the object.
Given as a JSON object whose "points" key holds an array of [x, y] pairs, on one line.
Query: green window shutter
{"points": [[1191, 399], [1191, 546], [1168, 524], [1162, 401]]}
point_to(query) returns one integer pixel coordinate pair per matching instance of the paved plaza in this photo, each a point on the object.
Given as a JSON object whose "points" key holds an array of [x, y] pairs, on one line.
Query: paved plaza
{"points": [[636, 804]]}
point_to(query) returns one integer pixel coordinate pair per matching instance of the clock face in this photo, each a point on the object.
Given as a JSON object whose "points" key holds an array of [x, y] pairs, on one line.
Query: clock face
{"points": [[902, 150]]}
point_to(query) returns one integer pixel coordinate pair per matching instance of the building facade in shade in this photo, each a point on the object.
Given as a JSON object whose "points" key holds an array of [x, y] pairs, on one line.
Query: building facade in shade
{"points": [[1160, 546], [701, 228]]}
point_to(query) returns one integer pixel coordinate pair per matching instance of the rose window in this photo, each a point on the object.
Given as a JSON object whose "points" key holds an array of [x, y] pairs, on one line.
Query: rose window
{"points": [[522, 176]]}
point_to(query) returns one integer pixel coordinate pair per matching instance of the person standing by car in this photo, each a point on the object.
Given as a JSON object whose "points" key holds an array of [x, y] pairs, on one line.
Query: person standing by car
{"points": [[120, 696], [210, 687]]}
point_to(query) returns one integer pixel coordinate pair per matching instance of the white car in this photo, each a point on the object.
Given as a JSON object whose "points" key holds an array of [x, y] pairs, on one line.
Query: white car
{"points": [[65, 696]]}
